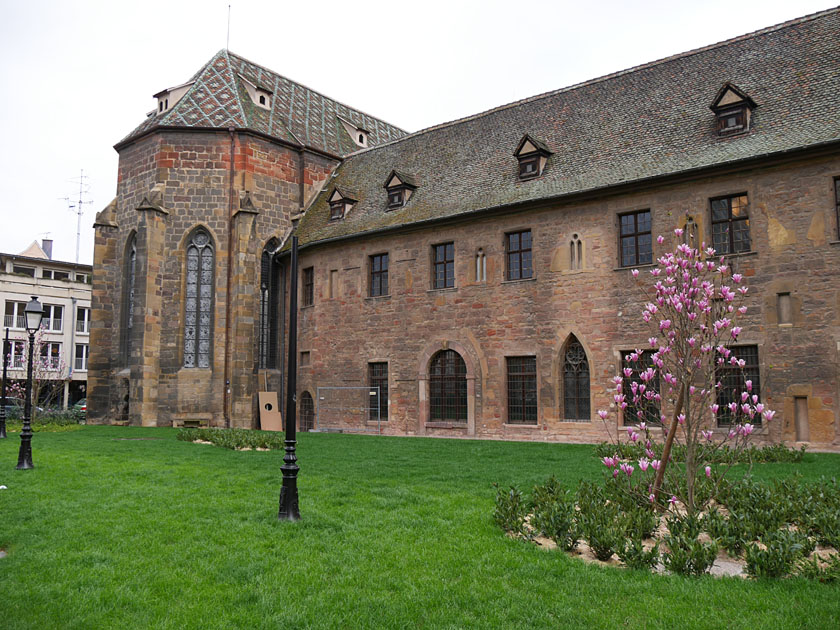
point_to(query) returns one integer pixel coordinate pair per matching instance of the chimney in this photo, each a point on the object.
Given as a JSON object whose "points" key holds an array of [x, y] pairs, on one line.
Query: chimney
{"points": [[46, 245]]}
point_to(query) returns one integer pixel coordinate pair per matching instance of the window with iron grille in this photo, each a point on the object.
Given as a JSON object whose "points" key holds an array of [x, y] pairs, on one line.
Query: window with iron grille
{"points": [[378, 377], [444, 266], [129, 277], [198, 309], [636, 243], [307, 412], [518, 255], [646, 410], [379, 275], [269, 305], [733, 379], [522, 390], [575, 383], [308, 287], [447, 387], [731, 224]]}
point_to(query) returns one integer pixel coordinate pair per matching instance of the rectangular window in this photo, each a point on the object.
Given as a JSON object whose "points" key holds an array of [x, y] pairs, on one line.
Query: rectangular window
{"points": [[305, 358], [378, 377], [82, 277], [444, 266], [55, 274], [522, 390], [635, 235], [518, 255], [81, 361], [837, 202], [82, 320], [396, 198], [26, 271], [52, 317], [308, 286], [14, 315], [529, 166], [733, 381], [18, 355], [336, 210], [647, 410], [51, 355], [730, 224], [379, 275]]}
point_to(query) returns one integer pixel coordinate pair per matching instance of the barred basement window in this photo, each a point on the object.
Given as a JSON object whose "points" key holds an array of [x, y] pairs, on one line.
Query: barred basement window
{"points": [[575, 383], [733, 381], [378, 377], [730, 224], [307, 412], [646, 410], [522, 390], [199, 302], [447, 387]]}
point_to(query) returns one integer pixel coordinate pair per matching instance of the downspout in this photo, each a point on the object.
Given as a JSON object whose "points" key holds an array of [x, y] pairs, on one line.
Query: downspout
{"points": [[231, 210]]}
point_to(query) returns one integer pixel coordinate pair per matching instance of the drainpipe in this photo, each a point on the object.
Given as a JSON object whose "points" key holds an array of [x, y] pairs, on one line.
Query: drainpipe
{"points": [[301, 169], [231, 210]]}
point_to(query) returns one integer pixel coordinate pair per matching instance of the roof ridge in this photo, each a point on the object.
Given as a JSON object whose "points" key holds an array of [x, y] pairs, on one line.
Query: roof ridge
{"points": [[321, 94], [169, 116], [246, 119], [612, 75]]}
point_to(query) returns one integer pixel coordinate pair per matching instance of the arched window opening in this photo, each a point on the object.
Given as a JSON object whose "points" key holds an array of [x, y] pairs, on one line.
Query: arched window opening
{"points": [[480, 266], [447, 387], [307, 412], [690, 232], [199, 302], [575, 253], [269, 304], [575, 383], [128, 297]]}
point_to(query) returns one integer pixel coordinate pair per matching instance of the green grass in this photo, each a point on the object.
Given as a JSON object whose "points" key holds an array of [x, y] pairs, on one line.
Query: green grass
{"points": [[109, 532]]}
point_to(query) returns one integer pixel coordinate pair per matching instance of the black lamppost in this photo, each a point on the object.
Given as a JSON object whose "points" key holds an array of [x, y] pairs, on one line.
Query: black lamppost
{"points": [[3, 392], [33, 314], [289, 493]]}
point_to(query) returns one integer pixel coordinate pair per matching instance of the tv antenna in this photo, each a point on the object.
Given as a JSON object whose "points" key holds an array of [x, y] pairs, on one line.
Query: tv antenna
{"points": [[78, 208], [227, 42]]}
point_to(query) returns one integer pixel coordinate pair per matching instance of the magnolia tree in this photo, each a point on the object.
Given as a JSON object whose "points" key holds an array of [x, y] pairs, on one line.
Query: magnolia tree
{"points": [[49, 374], [674, 391]]}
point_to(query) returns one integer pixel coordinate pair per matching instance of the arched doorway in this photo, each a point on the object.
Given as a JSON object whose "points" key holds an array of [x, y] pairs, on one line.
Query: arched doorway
{"points": [[447, 387], [307, 412]]}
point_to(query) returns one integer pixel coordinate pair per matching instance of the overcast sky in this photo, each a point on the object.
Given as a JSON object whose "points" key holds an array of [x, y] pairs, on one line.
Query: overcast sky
{"points": [[77, 76]]}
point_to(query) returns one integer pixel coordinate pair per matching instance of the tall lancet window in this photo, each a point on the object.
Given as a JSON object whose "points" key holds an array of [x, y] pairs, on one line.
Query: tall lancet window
{"points": [[269, 303], [575, 383], [199, 304], [128, 297]]}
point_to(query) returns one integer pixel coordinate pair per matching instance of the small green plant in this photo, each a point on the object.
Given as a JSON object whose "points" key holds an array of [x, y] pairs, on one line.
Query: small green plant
{"points": [[510, 510], [640, 522], [688, 556], [634, 556], [555, 515], [825, 571], [782, 550]]}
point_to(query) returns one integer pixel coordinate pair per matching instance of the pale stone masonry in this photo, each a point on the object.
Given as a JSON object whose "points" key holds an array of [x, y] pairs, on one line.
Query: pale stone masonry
{"points": [[516, 330]]}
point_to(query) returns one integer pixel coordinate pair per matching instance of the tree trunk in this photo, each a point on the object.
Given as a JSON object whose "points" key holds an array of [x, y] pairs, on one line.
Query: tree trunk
{"points": [[666, 451]]}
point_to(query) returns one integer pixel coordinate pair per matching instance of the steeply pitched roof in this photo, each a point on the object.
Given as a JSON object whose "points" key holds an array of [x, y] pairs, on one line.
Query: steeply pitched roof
{"points": [[218, 99], [34, 251], [642, 123]]}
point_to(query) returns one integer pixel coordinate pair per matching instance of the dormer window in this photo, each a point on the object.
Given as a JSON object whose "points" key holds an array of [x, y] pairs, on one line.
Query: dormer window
{"points": [[400, 187], [532, 155], [359, 135], [171, 95], [733, 109], [340, 204], [261, 96]]}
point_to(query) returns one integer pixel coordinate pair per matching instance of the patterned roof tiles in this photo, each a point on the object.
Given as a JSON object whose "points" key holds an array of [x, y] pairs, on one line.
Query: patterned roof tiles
{"points": [[218, 99]]}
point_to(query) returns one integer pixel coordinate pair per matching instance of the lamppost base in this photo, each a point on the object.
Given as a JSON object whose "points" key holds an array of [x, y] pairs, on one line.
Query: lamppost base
{"points": [[25, 457], [289, 495]]}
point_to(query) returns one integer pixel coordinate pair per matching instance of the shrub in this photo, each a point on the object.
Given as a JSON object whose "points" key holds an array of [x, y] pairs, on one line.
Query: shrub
{"points": [[813, 569], [783, 548], [554, 514], [234, 438], [634, 556], [510, 510], [640, 522], [687, 556]]}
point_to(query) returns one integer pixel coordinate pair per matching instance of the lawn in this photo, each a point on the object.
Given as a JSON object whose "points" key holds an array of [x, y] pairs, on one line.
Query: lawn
{"points": [[123, 527]]}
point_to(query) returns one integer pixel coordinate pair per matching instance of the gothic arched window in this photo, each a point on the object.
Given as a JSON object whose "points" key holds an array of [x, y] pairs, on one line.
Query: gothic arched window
{"points": [[269, 302], [130, 276], [199, 304], [575, 382], [447, 387]]}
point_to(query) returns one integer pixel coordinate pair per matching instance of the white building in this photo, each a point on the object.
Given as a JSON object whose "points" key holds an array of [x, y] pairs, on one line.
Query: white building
{"points": [[64, 290]]}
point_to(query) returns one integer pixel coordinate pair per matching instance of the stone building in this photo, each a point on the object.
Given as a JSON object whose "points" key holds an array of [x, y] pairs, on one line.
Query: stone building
{"points": [[473, 276]]}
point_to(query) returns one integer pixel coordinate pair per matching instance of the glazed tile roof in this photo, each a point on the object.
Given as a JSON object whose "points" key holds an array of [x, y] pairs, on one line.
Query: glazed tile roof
{"points": [[218, 99], [650, 121]]}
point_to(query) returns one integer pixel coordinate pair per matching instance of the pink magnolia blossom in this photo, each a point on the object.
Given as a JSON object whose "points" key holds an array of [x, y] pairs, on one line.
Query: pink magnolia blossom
{"points": [[655, 464], [627, 469], [652, 498], [603, 414], [635, 273], [643, 464], [708, 471], [768, 414], [672, 500], [708, 435]]}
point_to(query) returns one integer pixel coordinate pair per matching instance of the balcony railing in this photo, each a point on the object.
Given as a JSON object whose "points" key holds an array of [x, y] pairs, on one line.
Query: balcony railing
{"points": [[53, 324], [10, 321], [82, 326], [81, 364], [17, 363]]}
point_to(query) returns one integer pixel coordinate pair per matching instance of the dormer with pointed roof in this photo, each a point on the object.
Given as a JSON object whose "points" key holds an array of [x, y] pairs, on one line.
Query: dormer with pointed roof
{"points": [[341, 202], [532, 155], [733, 108], [400, 187]]}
